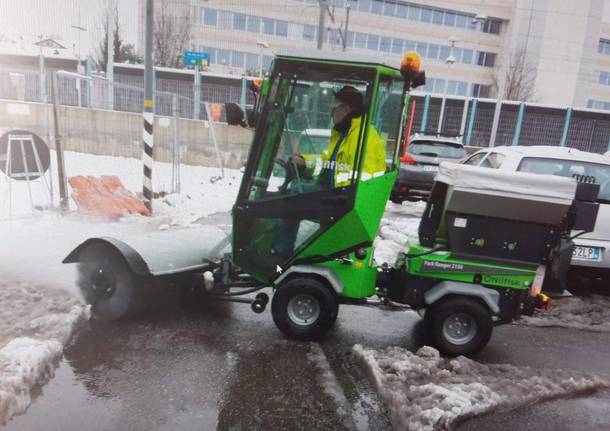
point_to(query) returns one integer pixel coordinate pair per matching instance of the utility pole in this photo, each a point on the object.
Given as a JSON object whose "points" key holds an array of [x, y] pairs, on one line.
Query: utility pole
{"points": [[347, 10], [321, 32], [148, 114]]}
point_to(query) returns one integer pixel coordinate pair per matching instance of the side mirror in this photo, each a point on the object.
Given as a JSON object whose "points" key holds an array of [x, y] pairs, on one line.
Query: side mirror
{"points": [[419, 80], [235, 115]]}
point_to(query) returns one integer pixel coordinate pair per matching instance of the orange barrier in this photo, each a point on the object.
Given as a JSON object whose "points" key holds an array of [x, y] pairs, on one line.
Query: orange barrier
{"points": [[216, 112], [105, 196]]}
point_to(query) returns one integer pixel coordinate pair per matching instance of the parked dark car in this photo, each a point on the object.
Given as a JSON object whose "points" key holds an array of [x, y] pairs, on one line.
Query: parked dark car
{"points": [[419, 165]]}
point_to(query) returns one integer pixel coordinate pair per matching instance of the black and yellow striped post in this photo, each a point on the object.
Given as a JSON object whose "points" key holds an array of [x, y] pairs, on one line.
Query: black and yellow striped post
{"points": [[149, 112]]}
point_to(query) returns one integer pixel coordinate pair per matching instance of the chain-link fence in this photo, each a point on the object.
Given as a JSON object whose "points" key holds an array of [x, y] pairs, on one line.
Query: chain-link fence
{"points": [[99, 139]]}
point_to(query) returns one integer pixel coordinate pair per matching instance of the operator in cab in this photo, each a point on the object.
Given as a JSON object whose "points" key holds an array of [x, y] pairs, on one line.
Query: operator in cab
{"points": [[335, 166]]}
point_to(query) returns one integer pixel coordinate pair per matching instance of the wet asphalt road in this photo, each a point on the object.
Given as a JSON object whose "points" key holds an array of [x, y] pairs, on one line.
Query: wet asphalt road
{"points": [[222, 367], [227, 368]]}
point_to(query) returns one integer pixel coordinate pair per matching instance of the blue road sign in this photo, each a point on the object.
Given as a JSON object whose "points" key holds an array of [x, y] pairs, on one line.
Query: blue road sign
{"points": [[195, 58]]}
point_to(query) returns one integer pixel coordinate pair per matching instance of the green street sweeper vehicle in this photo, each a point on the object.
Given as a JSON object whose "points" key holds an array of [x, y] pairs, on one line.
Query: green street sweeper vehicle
{"points": [[304, 224]]}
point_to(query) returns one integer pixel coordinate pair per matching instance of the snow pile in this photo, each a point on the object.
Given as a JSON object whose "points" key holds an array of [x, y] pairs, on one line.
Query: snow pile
{"points": [[35, 325], [424, 391], [588, 313], [398, 224]]}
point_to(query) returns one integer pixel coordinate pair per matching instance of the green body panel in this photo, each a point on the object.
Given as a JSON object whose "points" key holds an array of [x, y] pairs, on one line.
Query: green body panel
{"points": [[441, 265], [358, 278]]}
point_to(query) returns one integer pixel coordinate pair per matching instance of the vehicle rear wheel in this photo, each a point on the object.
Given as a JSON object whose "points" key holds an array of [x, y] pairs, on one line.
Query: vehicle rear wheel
{"points": [[304, 308], [459, 326], [106, 282]]}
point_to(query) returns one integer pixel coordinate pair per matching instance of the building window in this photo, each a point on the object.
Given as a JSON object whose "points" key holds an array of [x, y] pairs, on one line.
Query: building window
{"points": [[604, 46], [237, 59], [254, 24], [252, 62], [377, 7], [309, 32], [267, 26], [604, 78], [386, 44], [210, 17], [360, 40], [224, 57], [389, 8], [239, 22], [598, 104], [225, 19], [364, 5], [373, 42], [397, 46], [281, 28]]}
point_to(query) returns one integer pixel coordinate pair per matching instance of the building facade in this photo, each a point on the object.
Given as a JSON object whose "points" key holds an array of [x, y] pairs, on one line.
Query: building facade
{"points": [[559, 48]]}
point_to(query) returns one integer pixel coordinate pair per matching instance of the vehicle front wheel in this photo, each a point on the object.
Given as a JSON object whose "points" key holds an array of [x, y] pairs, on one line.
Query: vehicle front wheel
{"points": [[304, 308], [459, 326], [106, 282]]}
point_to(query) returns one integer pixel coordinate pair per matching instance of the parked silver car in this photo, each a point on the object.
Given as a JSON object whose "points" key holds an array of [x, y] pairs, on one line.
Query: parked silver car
{"points": [[419, 165], [590, 268]]}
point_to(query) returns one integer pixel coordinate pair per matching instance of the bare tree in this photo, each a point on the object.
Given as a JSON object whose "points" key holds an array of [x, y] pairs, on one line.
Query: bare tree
{"points": [[520, 77], [172, 35]]}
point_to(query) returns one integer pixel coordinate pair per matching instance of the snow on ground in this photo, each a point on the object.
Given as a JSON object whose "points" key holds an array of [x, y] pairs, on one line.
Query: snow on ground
{"points": [[35, 324], [587, 313], [424, 391], [40, 306]]}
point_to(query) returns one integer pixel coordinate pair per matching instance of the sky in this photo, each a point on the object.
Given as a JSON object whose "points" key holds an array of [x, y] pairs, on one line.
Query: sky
{"points": [[33, 18]]}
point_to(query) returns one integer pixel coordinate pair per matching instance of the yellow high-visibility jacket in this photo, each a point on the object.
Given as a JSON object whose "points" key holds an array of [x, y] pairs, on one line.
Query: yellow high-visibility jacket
{"points": [[374, 158]]}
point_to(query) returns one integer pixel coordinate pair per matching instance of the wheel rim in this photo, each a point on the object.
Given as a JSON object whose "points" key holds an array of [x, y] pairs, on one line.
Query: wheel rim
{"points": [[303, 310], [459, 328], [103, 284]]}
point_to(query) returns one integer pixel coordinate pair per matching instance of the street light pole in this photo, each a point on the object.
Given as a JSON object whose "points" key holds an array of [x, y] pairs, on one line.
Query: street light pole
{"points": [[448, 61], [347, 10], [323, 7]]}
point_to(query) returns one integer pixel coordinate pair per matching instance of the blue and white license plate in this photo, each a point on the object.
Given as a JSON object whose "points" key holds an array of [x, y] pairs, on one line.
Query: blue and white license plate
{"points": [[431, 168], [587, 253]]}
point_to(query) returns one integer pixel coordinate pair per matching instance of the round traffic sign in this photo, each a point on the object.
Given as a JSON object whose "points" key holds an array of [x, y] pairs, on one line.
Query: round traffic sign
{"points": [[20, 143]]}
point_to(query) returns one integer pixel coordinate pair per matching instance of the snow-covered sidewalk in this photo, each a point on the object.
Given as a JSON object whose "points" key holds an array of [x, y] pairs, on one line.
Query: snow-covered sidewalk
{"points": [[426, 392]]}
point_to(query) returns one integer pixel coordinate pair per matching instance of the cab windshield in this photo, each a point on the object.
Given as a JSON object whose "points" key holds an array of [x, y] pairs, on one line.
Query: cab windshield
{"points": [[296, 130]]}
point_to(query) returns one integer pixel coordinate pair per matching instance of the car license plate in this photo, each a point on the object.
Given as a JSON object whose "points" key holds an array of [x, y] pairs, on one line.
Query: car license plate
{"points": [[586, 253], [430, 168]]}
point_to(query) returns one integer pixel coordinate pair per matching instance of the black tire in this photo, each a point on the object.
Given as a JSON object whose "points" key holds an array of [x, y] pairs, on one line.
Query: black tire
{"points": [[318, 303], [106, 282], [448, 321]]}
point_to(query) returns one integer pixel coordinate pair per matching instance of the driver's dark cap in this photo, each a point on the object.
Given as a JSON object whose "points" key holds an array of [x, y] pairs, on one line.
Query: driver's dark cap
{"points": [[350, 96]]}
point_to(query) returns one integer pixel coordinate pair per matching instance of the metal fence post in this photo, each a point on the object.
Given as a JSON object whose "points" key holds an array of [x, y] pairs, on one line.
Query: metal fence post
{"points": [[42, 79], [566, 127], [89, 72], [61, 172], [519, 124], [214, 140], [424, 118], [244, 84], [197, 91], [464, 115], [473, 113], [175, 148]]}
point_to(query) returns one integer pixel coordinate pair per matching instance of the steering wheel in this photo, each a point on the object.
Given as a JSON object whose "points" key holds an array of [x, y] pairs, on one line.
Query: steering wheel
{"points": [[291, 173]]}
